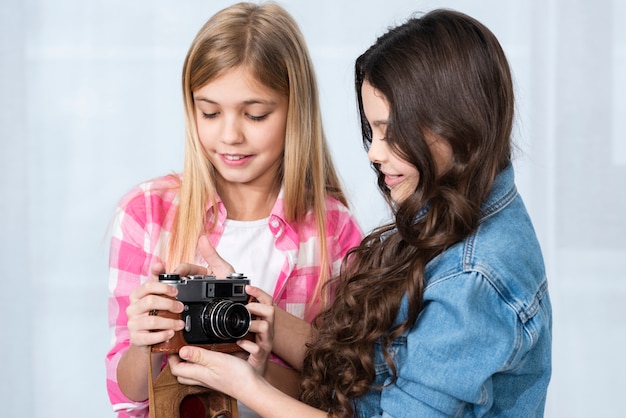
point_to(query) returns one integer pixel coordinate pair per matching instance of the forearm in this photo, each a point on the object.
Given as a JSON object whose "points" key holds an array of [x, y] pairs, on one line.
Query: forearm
{"points": [[269, 402], [133, 372], [283, 378], [290, 337]]}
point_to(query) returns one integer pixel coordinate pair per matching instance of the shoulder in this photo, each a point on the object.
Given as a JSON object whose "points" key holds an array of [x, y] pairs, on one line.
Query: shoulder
{"points": [[506, 250], [151, 199], [337, 213], [341, 225], [501, 261]]}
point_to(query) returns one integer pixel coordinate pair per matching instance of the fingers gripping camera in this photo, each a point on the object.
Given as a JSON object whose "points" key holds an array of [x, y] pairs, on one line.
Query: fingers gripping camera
{"points": [[214, 313]]}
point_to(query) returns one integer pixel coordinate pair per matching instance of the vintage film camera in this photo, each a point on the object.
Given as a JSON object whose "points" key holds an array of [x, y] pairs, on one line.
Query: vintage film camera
{"points": [[215, 312]]}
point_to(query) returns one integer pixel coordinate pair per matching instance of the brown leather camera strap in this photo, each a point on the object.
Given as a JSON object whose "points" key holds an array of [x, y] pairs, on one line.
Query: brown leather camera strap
{"points": [[170, 399]]}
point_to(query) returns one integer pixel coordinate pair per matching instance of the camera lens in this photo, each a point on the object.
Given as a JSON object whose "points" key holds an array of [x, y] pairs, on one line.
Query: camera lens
{"points": [[226, 320]]}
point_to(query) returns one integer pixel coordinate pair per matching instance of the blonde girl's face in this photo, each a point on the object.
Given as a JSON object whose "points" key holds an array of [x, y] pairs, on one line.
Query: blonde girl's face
{"points": [[241, 125]]}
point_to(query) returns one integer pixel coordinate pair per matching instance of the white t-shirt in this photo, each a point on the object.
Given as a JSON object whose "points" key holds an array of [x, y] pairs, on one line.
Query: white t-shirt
{"points": [[249, 247]]}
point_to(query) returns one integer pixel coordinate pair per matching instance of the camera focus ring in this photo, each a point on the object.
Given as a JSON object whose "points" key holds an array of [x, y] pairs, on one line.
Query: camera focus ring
{"points": [[226, 320]]}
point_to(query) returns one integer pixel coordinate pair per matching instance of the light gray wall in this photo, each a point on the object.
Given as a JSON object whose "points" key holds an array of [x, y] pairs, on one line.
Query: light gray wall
{"points": [[90, 105]]}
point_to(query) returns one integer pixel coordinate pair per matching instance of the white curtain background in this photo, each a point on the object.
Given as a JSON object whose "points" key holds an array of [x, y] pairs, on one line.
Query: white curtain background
{"points": [[90, 105]]}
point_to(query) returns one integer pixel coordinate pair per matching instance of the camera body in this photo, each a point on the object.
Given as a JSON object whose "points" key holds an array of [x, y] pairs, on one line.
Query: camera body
{"points": [[214, 311]]}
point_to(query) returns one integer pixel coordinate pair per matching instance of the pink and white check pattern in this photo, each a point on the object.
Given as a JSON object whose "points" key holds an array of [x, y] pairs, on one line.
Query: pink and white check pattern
{"points": [[140, 232]]}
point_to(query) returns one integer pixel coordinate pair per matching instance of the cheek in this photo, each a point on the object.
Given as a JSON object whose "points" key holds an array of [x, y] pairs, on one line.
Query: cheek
{"points": [[205, 136], [274, 137], [412, 176], [414, 179], [408, 186]]}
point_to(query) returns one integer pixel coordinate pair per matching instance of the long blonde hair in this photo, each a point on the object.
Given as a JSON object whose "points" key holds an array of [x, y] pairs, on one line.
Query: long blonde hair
{"points": [[267, 41]]}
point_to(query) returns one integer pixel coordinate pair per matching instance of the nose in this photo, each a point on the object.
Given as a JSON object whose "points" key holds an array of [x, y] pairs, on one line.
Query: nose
{"points": [[231, 130], [377, 152]]}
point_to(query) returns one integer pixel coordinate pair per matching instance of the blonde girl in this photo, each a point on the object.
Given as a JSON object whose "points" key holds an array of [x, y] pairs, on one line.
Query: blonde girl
{"points": [[258, 185]]}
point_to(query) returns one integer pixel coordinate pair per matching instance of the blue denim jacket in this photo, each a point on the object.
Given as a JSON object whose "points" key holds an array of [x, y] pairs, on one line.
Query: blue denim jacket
{"points": [[481, 347]]}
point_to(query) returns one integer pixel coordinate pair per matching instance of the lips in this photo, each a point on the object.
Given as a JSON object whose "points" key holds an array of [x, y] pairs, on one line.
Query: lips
{"points": [[234, 157], [235, 160], [392, 180]]}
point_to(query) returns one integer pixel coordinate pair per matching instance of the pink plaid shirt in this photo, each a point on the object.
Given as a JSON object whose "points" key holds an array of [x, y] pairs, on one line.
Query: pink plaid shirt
{"points": [[139, 237]]}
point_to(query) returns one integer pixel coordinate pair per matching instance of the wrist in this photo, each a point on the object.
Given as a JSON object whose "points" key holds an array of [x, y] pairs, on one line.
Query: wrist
{"points": [[255, 393]]}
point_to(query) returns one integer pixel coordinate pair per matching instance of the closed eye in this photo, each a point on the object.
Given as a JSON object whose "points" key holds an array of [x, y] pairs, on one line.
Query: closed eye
{"points": [[257, 118], [210, 115]]}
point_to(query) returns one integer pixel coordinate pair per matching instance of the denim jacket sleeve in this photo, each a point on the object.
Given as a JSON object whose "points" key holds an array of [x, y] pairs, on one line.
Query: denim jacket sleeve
{"points": [[466, 342]]}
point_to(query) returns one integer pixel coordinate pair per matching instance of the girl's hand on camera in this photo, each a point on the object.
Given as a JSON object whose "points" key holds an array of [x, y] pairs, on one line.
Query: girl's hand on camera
{"points": [[221, 371], [216, 265], [263, 327], [146, 328]]}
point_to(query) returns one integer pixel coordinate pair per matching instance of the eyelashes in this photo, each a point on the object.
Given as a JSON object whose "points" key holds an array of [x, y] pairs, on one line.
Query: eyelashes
{"points": [[253, 118], [257, 118]]}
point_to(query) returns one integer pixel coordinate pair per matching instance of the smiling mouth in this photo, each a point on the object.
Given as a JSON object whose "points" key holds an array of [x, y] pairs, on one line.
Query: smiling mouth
{"points": [[236, 160], [234, 157], [392, 180]]}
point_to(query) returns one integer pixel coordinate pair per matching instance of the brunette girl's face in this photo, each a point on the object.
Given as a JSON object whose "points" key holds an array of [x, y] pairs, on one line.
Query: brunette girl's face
{"points": [[241, 125], [401, 176]]}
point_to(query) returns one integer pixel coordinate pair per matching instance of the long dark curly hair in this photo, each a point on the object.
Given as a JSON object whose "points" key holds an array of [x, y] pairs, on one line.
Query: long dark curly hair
{"points": [[443, 74]]}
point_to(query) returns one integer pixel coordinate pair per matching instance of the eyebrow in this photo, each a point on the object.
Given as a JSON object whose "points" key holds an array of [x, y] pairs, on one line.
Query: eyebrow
{"points": [[379, 123], [245, 102]]}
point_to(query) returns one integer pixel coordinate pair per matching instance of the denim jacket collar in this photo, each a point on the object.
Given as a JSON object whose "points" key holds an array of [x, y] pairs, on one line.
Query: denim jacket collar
{"points": [[503, 191]]}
